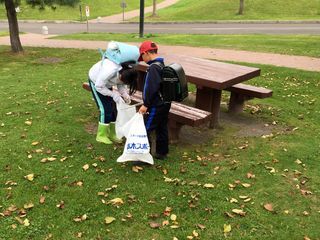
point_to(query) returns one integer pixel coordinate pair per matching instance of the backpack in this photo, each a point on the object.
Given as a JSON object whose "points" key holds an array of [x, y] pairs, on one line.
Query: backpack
{"points": [[174, 86]]}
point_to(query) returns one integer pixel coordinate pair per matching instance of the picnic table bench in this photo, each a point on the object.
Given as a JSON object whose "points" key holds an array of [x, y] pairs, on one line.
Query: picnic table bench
{"points": [[179, 115]]}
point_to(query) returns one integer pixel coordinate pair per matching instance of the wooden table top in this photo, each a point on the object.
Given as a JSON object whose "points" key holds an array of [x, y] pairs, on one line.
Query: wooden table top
{"points": [[210, 73]]}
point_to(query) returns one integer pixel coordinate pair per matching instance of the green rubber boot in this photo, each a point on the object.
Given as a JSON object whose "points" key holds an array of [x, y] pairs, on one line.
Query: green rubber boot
{"points": [[113, 135], [103, 133]]}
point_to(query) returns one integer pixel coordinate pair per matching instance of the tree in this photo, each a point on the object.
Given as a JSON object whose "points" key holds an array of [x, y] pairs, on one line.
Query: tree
{"points": [[241, 7], [154, 9], [13, 21]]}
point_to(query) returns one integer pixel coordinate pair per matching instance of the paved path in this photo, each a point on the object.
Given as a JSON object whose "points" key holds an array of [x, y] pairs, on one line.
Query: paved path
{"points": [[299, 62], [174, 28], [134, 13]]}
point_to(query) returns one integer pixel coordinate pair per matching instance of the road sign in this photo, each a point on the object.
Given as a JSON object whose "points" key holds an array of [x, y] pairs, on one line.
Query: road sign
{"points": [[87, 11], [123, 4]]}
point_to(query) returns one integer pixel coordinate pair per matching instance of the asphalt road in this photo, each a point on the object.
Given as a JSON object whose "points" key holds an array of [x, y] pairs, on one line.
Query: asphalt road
{"points": [[182, 28]]}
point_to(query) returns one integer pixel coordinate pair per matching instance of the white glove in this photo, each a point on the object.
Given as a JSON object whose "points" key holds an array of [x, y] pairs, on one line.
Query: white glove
{"points": [[126, 99], [116, 97]]}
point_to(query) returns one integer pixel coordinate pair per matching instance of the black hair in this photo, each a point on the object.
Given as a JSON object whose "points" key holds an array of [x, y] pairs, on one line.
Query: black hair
{"points": [[129, 76], [153, 51]]}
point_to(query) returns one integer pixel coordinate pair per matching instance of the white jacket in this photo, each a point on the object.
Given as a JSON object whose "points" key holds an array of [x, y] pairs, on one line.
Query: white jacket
{"points": [[105, 74]]}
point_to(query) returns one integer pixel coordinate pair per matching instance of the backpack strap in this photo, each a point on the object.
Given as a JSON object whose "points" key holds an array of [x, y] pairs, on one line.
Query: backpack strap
{"points": [[161, 65]]}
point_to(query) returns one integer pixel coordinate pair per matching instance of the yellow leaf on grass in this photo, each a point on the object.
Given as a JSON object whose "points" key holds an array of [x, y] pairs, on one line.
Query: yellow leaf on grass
{"points": [[246, 185], [239, 212], [208, 185], [28, 206], [233, 200], [29, 177], [85, 167], [173, 217], [116, 201], [29, 123], [136, 168], [226, 228], [26, 222], [195, 233], [109, 220]]}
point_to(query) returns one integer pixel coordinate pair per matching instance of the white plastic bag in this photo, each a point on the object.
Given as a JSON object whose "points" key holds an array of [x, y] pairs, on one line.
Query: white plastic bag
{"points": [[137, 146], [125, 113]]}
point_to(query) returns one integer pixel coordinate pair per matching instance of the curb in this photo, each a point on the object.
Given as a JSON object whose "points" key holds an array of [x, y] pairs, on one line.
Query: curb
{"points": [[178, 22]]}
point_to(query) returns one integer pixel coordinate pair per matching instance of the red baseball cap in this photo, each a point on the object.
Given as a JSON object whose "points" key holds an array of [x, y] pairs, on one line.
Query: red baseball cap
{"points": [[145, 47]]}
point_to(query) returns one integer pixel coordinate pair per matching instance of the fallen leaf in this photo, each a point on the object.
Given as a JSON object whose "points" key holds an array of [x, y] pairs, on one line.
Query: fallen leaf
{"points": [[154, 225], [29, 177], [246, 185], [28, 206], [226, 228], [173, 217], [208, 185], [136, 168], [85, 167], [42, 199], [268, 207], [165, 223], [233, 200], [81, 218], [243, 197], [60, 205], [174, 226], [250, 175], [116, 201], [26, 222], [109, 220], [239, 212], [29, 123], [305, 213], [195, 233], [201, 226]]}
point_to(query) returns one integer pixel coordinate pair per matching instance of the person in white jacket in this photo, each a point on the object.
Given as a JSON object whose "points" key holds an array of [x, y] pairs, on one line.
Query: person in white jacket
{"points": [[102, 77]]}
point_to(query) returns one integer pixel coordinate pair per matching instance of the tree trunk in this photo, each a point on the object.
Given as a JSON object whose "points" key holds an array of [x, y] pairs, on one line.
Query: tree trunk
{"points": [[241, 7], [13, 27], [154, 9]]}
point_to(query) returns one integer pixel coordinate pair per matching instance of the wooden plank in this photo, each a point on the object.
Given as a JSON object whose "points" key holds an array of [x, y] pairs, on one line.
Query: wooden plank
{"points": [[209, 73], [179, 112], [249, 90]]}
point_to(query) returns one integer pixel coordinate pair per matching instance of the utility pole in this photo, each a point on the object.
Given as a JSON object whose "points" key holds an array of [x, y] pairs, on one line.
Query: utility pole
{"points": [[141, 23]]}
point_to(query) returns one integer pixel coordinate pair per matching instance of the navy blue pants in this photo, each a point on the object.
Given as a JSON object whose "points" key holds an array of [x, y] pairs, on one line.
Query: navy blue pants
{"points": [[106, 105], [157, 120]]}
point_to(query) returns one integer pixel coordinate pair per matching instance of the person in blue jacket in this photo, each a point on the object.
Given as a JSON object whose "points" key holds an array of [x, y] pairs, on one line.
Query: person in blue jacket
{"points": [[155, 109]]}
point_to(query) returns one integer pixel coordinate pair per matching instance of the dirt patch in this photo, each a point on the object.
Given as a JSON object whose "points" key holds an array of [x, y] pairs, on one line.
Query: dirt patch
{"points": [[244, 125], [91, 128], [50, 60]]}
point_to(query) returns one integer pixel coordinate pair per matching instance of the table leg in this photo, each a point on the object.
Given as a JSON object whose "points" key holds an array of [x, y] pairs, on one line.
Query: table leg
{"points": [[210, 99]]}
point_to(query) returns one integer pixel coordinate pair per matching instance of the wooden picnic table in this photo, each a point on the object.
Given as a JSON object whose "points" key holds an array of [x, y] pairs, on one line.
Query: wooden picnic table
{"points": [[210, 78]]}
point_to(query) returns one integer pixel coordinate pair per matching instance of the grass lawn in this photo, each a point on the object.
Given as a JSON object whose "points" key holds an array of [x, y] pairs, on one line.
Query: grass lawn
{"points": [[186, 10], [97, 8], [46, 193], [2, 34], [206, 10], [304, 45]]}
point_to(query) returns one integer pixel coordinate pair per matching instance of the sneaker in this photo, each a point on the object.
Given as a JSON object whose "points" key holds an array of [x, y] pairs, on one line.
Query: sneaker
{"points": [[160, 156]]}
